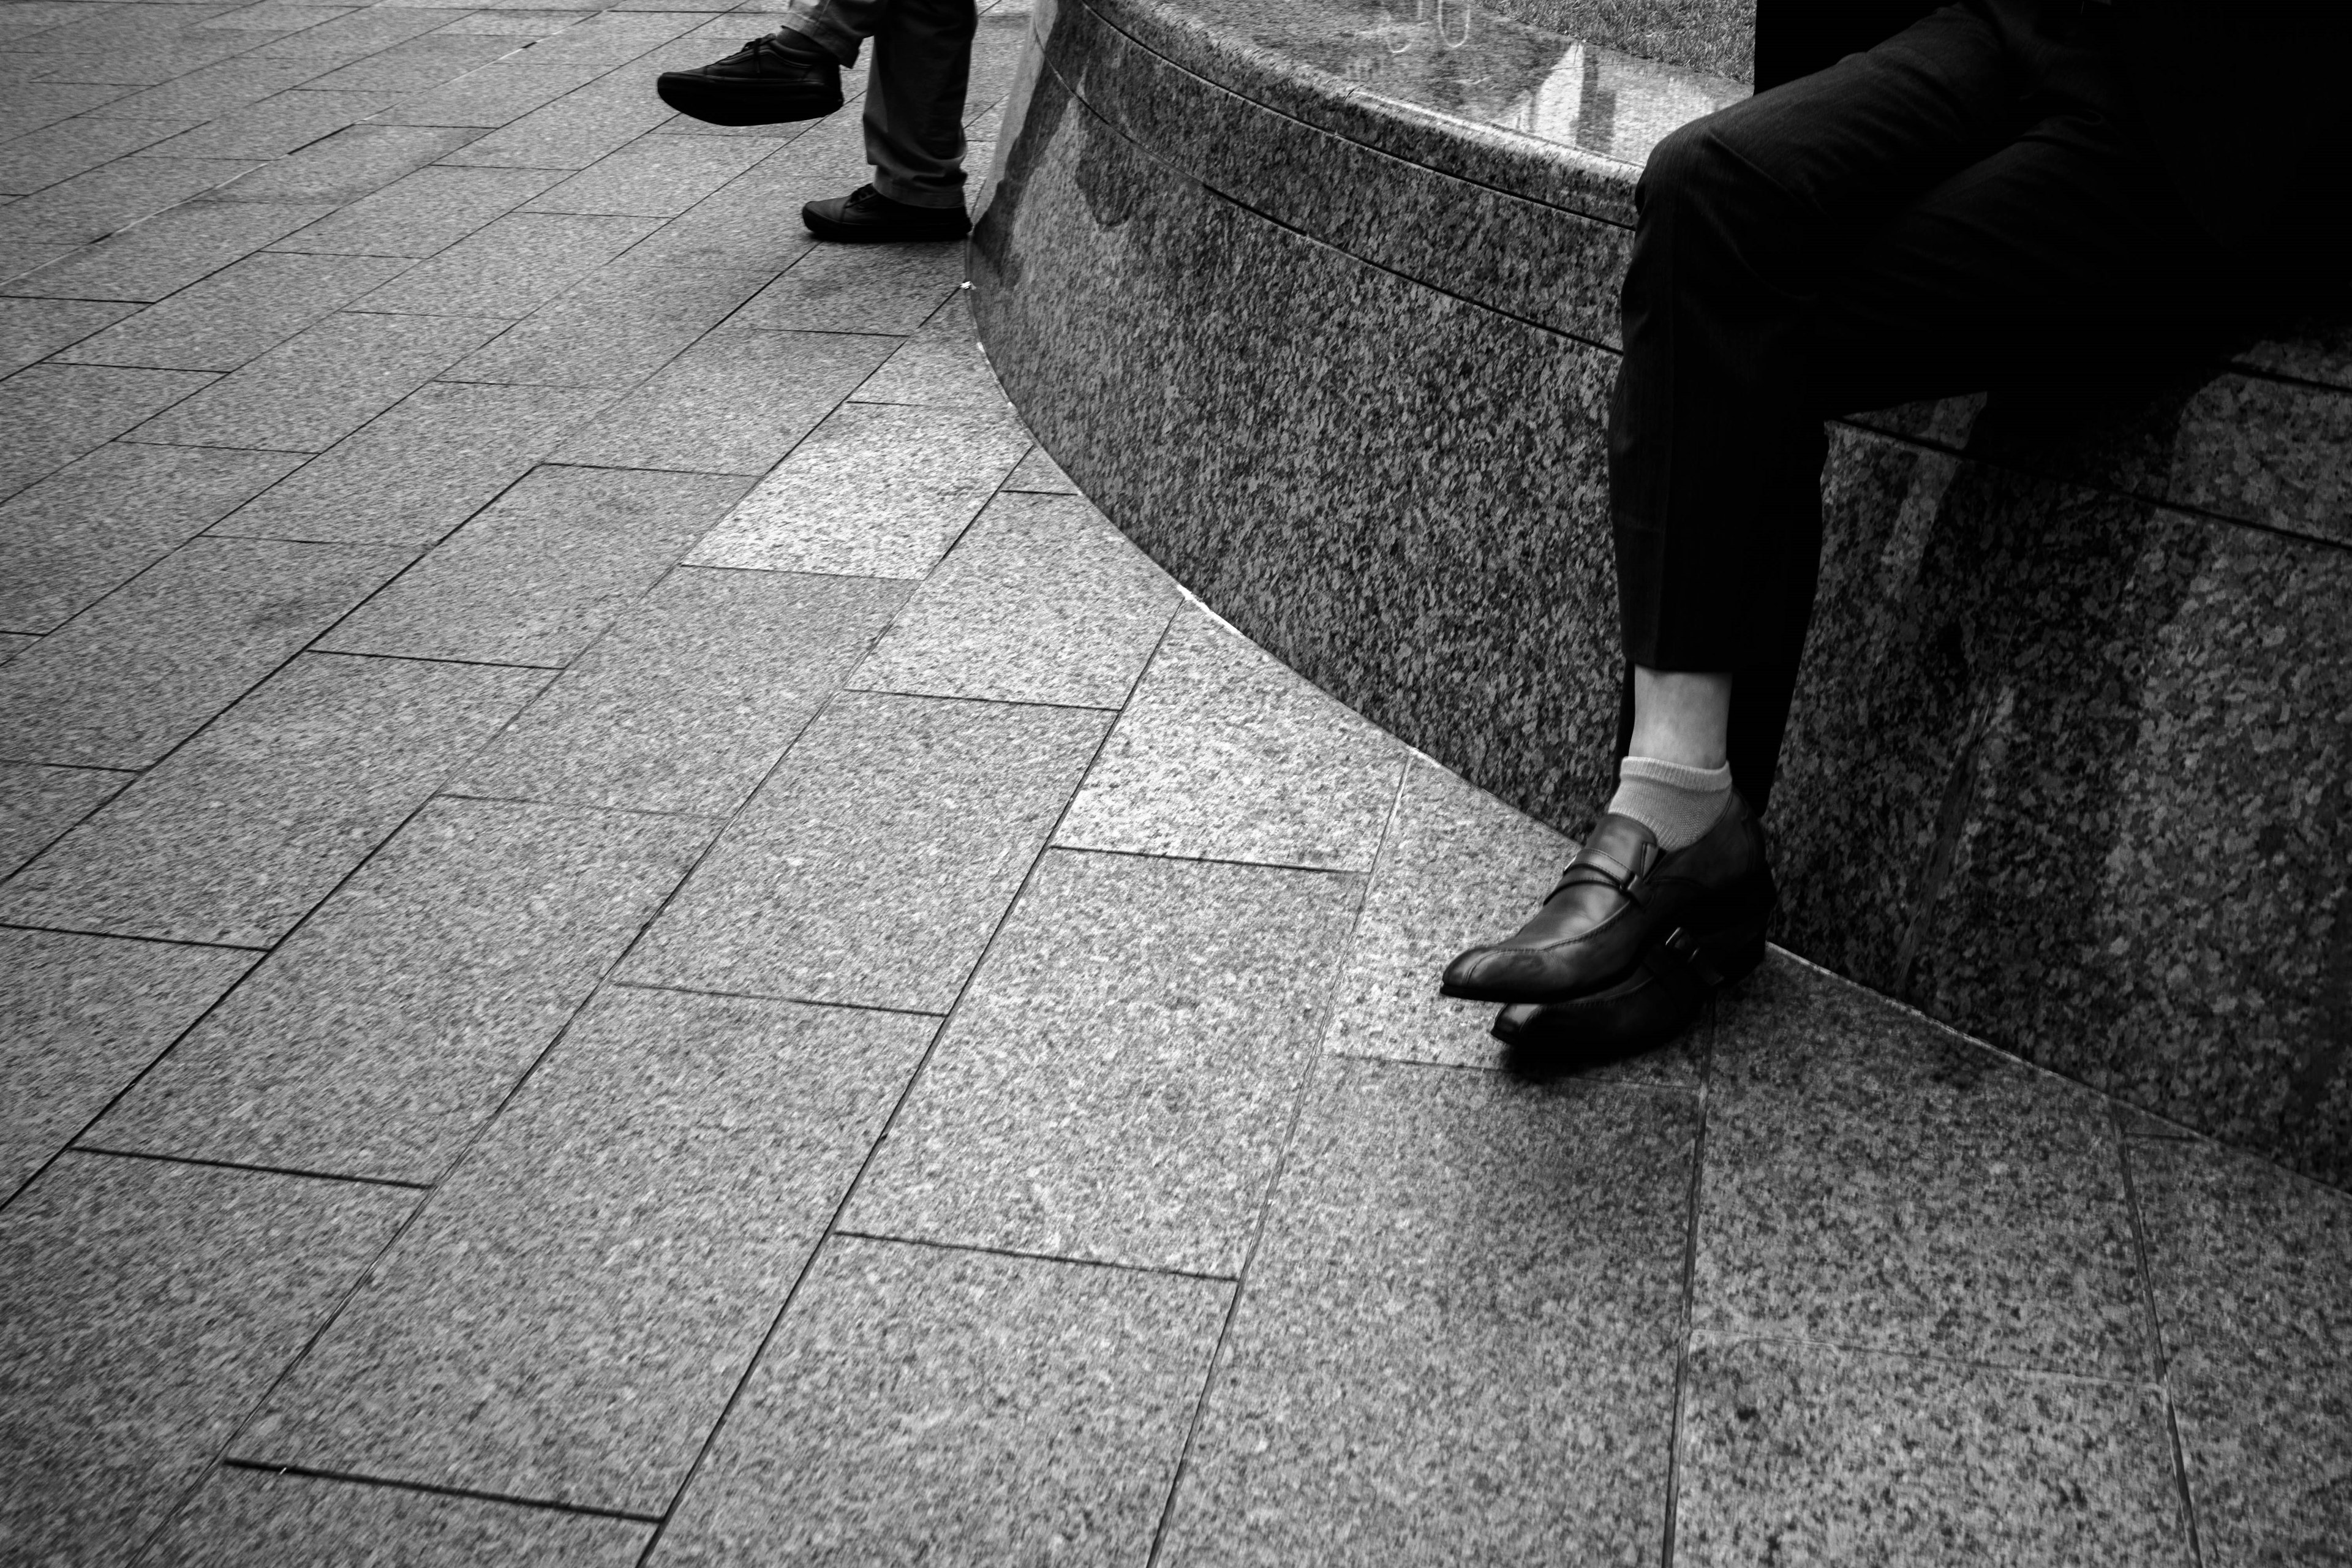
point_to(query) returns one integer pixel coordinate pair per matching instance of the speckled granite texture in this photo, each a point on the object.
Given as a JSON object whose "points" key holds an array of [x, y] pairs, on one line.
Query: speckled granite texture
{"points": [[1316, 304]]}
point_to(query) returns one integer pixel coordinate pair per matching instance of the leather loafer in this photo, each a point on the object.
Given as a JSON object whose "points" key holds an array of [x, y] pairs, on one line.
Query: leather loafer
{"points": [[867, 216], [1658, 1000], [1621, 897], [761, 83]]}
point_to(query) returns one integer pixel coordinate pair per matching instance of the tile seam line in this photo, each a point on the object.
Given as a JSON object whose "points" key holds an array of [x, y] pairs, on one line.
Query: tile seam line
{"points": [[1566, 1083], [363, 1277], [1022, 1255], [430, 1488], [670, 988], [1693, 1206], [1319, 1061], [170, 1158], [849, 1189], [255, 951], [1929, 1358], [2077, 1086], [2183, 1482]]}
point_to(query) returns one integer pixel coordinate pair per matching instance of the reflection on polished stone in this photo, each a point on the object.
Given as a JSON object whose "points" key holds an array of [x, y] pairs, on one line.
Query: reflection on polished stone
{"points": [[1472, 61]]}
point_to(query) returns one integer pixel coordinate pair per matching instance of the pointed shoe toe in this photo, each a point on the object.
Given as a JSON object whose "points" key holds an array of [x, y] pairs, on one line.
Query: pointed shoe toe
{"points": [[1621, 897]]}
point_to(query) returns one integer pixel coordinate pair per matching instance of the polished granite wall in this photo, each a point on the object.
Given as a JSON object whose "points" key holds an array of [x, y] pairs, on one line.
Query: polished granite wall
{"points": [[1321, 316]]}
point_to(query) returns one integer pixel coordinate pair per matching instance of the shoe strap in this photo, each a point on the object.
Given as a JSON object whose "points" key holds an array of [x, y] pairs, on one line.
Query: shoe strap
{"points": [[1596, 867]]}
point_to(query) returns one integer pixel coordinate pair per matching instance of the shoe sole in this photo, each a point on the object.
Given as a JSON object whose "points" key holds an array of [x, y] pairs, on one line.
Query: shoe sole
{"points": [[875, 234], [1637, 1013], [718, 106], [1729, 940]]}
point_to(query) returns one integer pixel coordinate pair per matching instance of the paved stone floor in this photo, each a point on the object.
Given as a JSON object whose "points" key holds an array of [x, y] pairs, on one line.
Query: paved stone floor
{"points": [[631, 935]]}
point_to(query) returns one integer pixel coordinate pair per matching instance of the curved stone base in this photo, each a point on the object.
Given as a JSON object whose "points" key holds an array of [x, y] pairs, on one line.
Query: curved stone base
{"points": [[2067, 769]]}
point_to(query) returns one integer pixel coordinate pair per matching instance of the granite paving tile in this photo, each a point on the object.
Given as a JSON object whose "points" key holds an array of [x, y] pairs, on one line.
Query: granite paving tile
{"points": [[653, 176], [941, 365], [1808, 1454], [753, 221], [733, 404], [1038, 472], [244, 311], [144, 1306], [355, 161], [104, 518], [1875, 1181], [422, 213], [666, 1138], [59, 151], [935, 1406], [27, 250], [1041, 601], [1464, 1282], [1224, 753], [533, 24], [362, 32], [418, 64], [1119, 1078], [14, 643], [52, 414], [875, 490], [687, 702], [512, 266], [147, 64], [33, 329], [2252, 1274], [249, 1518], [1457, 867], [322, 384], [79, 1018], [421, 469], [539, 575], [34, 104], [491, 95], [242, 831], [379, 1036], [217, 88], [275, 126], [616, 327], [273, 18], [139, 672], [165, 254], [616, 37], [91, 205], [578, 128], [887, 813], [38, 804], [860, 289]]}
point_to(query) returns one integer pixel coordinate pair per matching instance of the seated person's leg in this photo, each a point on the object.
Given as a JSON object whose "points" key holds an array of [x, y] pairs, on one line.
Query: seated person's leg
{"points": [[793, 73], [1765, 293]]}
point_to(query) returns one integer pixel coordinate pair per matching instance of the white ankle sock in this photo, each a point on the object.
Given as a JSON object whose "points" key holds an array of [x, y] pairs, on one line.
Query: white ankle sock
{"points": [[1677, 803]]}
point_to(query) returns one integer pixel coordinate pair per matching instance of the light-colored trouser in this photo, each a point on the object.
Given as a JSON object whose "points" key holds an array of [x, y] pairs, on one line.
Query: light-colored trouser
{"points": [[914, 94]]}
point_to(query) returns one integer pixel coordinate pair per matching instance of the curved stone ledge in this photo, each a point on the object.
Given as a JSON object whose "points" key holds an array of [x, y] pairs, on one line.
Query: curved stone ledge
{"points": [[1320, 311]]}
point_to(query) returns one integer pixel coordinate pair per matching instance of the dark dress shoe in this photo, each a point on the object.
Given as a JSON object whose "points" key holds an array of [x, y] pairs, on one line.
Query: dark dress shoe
{"points": [[1658, 1000], [867, 216], [761, 83], [1622, 897]]}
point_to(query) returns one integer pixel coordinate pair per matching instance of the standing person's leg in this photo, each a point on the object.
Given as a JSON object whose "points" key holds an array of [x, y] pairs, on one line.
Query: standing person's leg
{"points": [[914, 129], [914, 106]]}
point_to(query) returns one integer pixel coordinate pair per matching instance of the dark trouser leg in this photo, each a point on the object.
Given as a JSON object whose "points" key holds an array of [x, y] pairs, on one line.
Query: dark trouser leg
{"points": [[1912, 223], [914, 101]]}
